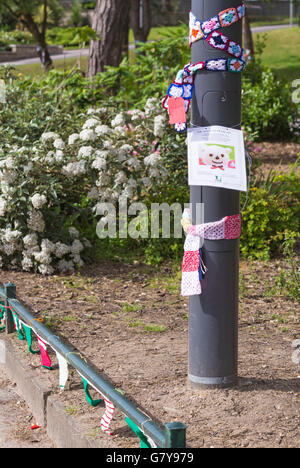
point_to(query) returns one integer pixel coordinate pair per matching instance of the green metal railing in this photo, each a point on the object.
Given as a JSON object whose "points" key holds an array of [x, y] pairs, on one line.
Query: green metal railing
{"points": [[173, 435]]}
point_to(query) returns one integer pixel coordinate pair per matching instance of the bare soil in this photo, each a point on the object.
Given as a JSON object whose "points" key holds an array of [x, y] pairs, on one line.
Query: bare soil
{"points": [[275, 155], [132, 324]]}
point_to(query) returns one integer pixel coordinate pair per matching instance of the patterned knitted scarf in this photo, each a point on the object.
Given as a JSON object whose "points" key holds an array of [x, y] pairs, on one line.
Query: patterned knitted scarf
{"points": [[193, 267]]}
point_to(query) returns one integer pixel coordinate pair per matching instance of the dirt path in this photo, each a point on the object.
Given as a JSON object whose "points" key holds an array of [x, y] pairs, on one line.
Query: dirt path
{"points": [[66, 55], [276, 156], [16, 420]]}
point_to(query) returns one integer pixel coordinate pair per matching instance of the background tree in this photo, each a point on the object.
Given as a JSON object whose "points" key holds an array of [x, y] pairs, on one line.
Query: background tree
{"points": [[55, 13], [140, 16], [24, 11], [76, 14], [111, 23], [141, 13], [166, 4], [247, 33], [248, 36]]}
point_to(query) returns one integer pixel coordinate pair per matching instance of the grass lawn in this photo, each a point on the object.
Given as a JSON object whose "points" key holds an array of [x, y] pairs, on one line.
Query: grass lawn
{"points": [[285, 20], [282, 53], [36, 70], [156, 33]]}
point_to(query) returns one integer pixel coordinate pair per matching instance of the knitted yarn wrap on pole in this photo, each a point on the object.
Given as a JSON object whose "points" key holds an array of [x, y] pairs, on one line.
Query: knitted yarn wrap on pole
{"points": [[181, 89]]}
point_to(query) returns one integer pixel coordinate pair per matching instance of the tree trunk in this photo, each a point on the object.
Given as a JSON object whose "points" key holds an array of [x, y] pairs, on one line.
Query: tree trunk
{"points": [[44, 55], [141, 19], [40, 37], [248, 38], [111, 22]]}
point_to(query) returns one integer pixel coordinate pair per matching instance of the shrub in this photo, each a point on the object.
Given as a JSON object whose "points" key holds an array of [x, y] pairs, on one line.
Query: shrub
{"points": [[272, 213], [71, 37], [288, 280], [50, 187], [268, 110], [76, 14], [15, 37], [34, 107], [153, 69], [49, 192]]}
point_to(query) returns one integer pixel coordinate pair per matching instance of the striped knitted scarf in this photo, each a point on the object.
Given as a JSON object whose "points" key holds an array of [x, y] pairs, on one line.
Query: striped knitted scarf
{"points": [[193, 267]]}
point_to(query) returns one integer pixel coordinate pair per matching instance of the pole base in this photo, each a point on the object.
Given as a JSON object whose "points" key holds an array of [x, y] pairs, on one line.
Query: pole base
{"points": [[212, 382]]}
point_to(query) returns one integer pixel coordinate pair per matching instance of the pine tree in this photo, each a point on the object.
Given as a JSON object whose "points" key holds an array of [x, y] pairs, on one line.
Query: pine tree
{"points": [[111, 23]]}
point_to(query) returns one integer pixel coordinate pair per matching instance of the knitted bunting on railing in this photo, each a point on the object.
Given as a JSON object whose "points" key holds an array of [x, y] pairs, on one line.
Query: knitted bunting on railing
{"points": [[107, 417], [63, 370], [46, 361], [89, 399], [109, 406], [146, 442], [2, 317], [28, 335], [63, 366], [17, 325]]}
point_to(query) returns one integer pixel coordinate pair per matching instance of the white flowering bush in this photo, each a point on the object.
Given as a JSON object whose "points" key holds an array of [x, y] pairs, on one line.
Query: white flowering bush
{"points": [[49, 192]]}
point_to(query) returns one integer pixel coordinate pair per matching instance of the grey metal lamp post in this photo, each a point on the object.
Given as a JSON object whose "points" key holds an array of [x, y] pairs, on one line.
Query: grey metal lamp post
{"points": [[213, 315]]}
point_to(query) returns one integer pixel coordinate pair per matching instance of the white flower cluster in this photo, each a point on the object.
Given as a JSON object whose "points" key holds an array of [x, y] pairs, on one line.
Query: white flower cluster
{"points": [[74, 169], [3, 206], [73, 138], [87, 135], [159, 125], [38, 201], [49, 136], [10, 241], [110, 157], [130, 162], [49, 253], [35, 221]]}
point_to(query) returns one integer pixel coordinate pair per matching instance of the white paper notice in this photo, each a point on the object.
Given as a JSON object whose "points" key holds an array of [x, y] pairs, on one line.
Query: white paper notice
{"points": [[216, 157]]}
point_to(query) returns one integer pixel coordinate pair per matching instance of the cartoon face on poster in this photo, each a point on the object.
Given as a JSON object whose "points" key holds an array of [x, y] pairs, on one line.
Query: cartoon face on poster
{"points": [[216, 157]]}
